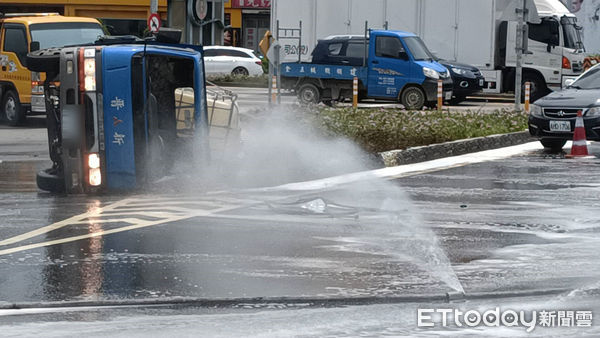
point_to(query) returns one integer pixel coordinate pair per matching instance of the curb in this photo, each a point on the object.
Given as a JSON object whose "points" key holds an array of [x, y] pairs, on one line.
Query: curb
{"points": [[440, 150], [284, 301]]}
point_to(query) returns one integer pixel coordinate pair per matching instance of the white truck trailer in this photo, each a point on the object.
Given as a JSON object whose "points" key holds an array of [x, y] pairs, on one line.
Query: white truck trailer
{"points": [[469, 31]]}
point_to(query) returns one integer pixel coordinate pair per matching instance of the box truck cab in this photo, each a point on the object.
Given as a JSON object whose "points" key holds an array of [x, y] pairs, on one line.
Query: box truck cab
{"points": [[555, 51], [24, 32], [389, 65]]}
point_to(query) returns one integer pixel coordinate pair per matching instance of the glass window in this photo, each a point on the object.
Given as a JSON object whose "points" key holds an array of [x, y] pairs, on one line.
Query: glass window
{"points": [[15, 41], [238, 53], [388, 46], [571, 33], [589, 80], [65, 33], [334, 49], [417, 48], [545, 32], [210, 52], [355, 50]]}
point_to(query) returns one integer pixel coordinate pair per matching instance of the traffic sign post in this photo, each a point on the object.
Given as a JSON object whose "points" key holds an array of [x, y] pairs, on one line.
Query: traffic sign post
{"points": [[154, 22]]}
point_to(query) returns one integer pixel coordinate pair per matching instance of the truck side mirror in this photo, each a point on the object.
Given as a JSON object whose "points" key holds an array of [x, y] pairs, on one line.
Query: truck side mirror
{"points": [[33, 46], [403, 56]]}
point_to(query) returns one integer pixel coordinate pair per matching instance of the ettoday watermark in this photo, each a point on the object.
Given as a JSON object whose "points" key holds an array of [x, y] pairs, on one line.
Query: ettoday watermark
{"points": [[508, 318]]}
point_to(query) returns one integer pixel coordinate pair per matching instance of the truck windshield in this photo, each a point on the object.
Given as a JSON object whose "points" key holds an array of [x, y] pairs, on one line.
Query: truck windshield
{"points": [[571, 33], [418, 49], [59, 34]]}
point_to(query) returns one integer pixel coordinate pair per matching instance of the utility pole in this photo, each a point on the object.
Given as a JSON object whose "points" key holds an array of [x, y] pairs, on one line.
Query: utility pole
{"points": [[522, 16], [153, 6]]}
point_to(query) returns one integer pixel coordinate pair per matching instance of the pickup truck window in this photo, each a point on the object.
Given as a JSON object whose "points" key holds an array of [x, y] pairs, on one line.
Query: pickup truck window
{"points": [[15, 41], [388, 47], [334, 49], [418, 49], [355, 50]]}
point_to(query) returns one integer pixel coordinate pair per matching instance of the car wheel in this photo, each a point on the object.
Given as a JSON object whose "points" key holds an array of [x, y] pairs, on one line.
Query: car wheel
{"points": [[457, 99], [12, 109], [45, 60], [538, 88], [413, 98], [49, 180], [240, 71], [309, 94], [554, 145]]}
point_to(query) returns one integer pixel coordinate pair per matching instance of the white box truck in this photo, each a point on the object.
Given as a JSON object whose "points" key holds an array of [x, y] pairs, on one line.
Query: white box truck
{"points": [[469, 31]]}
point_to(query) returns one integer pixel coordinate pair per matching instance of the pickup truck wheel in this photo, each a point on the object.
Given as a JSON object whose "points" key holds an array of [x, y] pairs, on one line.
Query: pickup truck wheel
{"points": [[13, 111], [309, 94], [413, 98], [554, 145], [45, 60]]}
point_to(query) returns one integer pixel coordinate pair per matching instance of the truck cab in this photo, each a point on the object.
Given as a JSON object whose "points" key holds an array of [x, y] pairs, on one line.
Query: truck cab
{"points": [[389, 65], [22, 33], [122, 113]]}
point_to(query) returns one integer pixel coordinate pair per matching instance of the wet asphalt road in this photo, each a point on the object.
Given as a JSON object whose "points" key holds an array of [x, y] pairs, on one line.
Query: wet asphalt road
{"points": [[527, 222]]}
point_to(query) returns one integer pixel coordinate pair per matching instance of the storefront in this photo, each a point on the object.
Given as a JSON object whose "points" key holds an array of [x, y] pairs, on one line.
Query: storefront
{"points": [[119, 17], [246, 22]]}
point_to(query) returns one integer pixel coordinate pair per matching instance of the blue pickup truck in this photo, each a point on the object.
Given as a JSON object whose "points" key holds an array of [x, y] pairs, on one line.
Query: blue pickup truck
{"points": [[115, 112], [390, 65]]}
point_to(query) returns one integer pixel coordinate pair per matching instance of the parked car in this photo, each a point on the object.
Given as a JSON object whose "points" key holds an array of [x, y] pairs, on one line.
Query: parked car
{"points": [[467, 80], [552, 118], [220, 60]]}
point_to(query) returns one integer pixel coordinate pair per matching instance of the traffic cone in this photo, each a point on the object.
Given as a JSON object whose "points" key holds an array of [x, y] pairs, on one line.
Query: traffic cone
{"points": [[579, 148]]}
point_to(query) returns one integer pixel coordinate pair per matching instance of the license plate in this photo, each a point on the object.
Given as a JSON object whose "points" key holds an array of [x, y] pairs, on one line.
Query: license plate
{"points": [[481, 82], [560, 126], [448, 95]]}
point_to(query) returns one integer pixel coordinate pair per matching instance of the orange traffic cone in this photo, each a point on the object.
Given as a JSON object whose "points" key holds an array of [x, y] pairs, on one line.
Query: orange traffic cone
{"points": [[579, 148]]}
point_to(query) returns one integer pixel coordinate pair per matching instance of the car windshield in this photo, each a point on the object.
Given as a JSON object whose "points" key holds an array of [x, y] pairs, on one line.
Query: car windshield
{"points": [[58, 34], [418, 49], [589, 80], [571, 33]]}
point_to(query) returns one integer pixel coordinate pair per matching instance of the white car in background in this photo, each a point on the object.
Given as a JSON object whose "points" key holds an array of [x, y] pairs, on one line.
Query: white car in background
{"points": [[219, 60]]}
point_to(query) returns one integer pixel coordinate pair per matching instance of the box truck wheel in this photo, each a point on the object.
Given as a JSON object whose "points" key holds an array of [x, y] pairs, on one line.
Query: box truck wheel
{"points": [[412, 98], [12, 109], [309, 94], [538, 88], [50, 180], [553, 145]]}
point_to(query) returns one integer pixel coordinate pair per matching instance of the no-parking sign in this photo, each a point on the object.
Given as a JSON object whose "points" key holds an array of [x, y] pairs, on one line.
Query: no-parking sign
{"points": [[154, 22]]}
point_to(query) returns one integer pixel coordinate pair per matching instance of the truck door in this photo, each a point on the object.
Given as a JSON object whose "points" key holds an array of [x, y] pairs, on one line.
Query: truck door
{"points": [[12, 60], [546, 52], [389, 67]]}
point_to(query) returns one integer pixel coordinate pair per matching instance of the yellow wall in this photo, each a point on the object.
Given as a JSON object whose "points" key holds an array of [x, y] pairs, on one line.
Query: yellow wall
{"points": [[107, 9], [236, 16]]}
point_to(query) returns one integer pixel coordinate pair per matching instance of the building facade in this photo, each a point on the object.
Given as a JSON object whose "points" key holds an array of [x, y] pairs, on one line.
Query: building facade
{"points": [[246, 22]]}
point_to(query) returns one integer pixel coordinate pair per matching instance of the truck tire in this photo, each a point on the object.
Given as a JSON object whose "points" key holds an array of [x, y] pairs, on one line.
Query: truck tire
{"points": [[45, 60], [538, 88], [49, 180], [12, 109], [553, 145], [309, 94], [413, 98]]}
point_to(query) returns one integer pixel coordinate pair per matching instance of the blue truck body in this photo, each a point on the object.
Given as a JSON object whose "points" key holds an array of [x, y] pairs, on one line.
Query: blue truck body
{"points": [[381, 76]]}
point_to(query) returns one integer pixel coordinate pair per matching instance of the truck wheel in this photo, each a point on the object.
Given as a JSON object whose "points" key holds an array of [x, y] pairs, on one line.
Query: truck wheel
{"points": [[413, 98], [553, 145], [13, 111], [309, 94], [45, 60], [538, 88], [49, 180]]}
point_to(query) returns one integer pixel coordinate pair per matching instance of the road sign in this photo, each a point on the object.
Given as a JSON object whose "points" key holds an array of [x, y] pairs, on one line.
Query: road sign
{"points": [[154, 22]]}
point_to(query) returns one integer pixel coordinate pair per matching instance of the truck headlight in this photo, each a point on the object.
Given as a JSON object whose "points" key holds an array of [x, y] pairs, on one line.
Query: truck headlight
{"points": [[593, 112], [87, 70], [93, 161], [430, 73], [535, 110]]}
